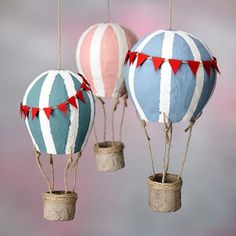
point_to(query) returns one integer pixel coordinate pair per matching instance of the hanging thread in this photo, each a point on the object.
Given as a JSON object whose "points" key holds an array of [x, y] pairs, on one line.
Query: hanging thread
{"points": [[112, 118], [52, 170], [76, 170], [105, 118], [123, 115], [59, 33], [143, 123], [67, 167], [170, 14], [108, 11]]}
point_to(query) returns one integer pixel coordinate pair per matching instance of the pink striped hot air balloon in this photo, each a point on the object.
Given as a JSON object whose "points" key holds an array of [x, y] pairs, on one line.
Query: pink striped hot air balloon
{"points": [[100, 57]]}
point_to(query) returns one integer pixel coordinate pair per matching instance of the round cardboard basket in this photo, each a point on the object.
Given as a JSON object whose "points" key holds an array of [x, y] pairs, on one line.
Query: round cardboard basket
{"points": [[164, 197], [59, 206], [109, 156]]}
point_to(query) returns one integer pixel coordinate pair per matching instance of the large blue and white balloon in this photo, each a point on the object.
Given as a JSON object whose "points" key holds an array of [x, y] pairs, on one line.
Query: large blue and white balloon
{"points": [[62, 132], [179, 95]]}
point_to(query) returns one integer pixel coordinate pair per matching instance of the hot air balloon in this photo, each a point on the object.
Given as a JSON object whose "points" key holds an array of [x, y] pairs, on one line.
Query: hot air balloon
{"points": [[170, 76], [100, 55], [58, 108]]}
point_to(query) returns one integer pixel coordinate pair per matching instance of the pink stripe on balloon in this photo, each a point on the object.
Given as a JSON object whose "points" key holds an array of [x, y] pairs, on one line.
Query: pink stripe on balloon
{"points": [[109, 60], [85, 57], [130, 37]]}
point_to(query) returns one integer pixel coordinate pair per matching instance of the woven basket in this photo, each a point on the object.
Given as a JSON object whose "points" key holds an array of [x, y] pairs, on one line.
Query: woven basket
{"points": [[109, 156], [164, 197], [59, 206]]}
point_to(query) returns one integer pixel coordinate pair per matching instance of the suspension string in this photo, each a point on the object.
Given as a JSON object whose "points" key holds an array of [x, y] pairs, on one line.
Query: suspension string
{"points": [[59, 33], [75, 167], [52, 170], [94, 127], [67, 167], [143, 123], [170, 14], [169, 147], [105, 118], [112, 119], [168, 137], [188, 129], [108, 11], [37, 155], [123, 115]]}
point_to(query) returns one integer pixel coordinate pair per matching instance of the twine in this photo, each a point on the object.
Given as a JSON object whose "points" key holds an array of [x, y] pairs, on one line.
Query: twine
{"points": [[59, 33], [68, 165], [105, 118], [52, 170], [76, 169], [37, 155], [170, 14], [123, 114], [143, 123], [188, 129], [112, 119], [94, 128], [61, 197], [167, 147]]}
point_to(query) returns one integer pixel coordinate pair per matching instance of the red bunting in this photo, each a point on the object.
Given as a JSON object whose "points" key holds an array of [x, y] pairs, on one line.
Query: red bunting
{"points": [[207, 66], [34, 112], [157, 62], [48, 111], [193, 66], [62, 107], [72, 101], [132, 56], [214, 64], [80, 96], [25, 111], [141, 59], [85, 87], [175, 64]]}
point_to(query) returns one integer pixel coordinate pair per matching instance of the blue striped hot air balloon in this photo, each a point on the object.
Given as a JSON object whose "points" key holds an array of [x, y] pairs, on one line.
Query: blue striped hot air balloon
{"points": [[59, 111], [170, 73]]}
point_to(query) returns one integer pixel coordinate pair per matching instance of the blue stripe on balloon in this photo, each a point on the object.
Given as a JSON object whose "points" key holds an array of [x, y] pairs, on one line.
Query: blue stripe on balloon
{"points": [[154, 46], [182, 83], [209, 83], [59, 122], [84, 116], [34, 125]]}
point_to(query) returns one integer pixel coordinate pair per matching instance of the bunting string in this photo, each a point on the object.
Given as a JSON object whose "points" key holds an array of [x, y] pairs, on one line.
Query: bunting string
{"points": [[174, 63]]}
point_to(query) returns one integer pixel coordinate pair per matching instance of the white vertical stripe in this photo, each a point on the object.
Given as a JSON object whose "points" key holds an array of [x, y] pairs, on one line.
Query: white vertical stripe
{"points": [[91, 122], [95, 59], [74, 113], [44, 121], [166, 72], [199, 76], [78, 48], [24, 103], [131, 75], [123, 48]]}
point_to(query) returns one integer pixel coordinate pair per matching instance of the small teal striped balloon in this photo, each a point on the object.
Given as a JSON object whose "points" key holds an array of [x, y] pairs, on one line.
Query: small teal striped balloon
{"points": [[62, 133], [180, 96]]}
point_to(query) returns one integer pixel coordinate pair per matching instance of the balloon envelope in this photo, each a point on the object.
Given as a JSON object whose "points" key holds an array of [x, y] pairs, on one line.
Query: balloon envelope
{"points": [[100, 57], [176, 77], [62, 122]]}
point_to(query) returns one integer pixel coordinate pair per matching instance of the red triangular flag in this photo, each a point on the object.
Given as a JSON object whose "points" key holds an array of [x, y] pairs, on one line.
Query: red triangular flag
{"points": [[48, 111], [126, 57], [207, 66], [157, 62], [141, 59], [34, 112], [214, 64], [72, 101], [132, 56], [175, 64], [193, 66], [80, 96], [85, 87], [62, 107], [25, 110]]}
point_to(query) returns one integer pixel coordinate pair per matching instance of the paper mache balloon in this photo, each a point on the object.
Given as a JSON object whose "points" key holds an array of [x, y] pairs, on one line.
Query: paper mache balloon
{"points": [[58, 107], [100, 57], [170, 73]]}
